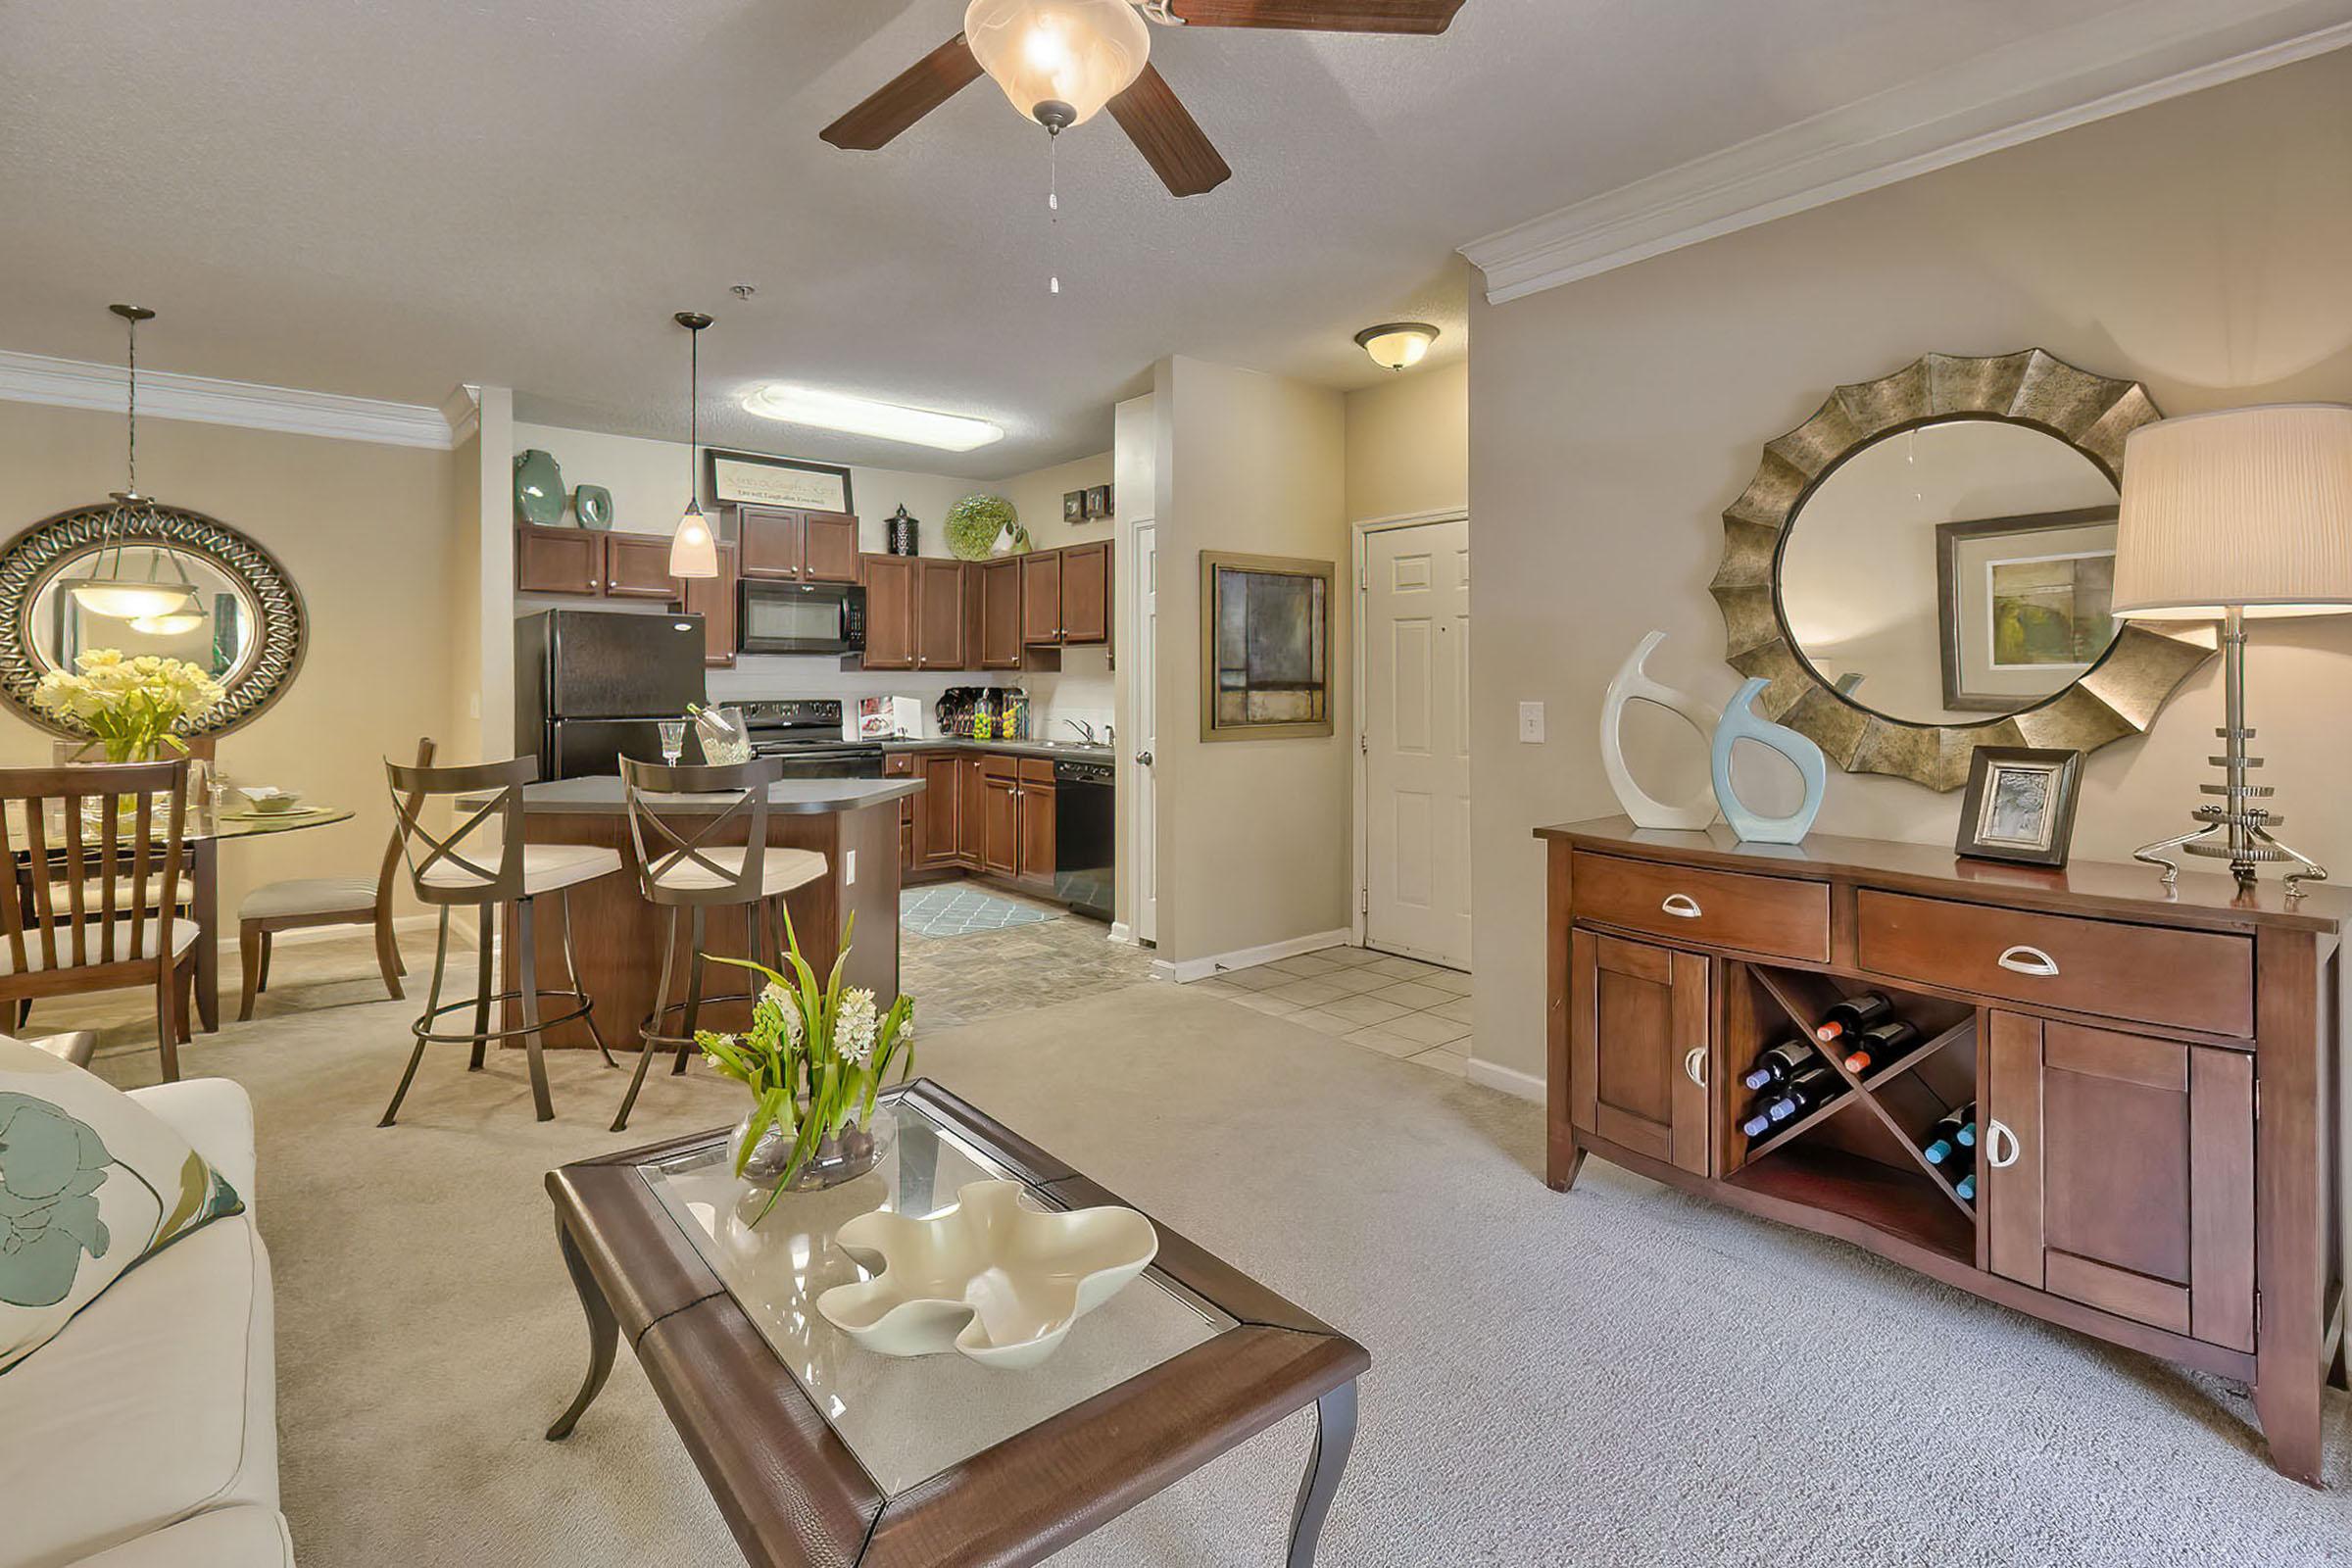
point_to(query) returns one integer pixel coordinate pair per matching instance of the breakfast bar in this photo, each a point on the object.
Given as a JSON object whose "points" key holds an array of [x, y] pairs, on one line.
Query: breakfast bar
{"points": [[853, 822]]}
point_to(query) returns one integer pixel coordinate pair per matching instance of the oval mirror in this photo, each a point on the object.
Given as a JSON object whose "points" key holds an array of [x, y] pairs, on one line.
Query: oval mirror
{"points": [[216, 630]]}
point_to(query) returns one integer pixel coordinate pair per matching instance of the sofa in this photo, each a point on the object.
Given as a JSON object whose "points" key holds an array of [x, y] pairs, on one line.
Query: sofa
{"points": [[145, 1434]]}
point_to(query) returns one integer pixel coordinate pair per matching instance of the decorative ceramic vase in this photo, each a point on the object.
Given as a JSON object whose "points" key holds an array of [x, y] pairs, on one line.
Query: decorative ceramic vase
{"points": [[1740, 724], [838, 1157], [538, 489], [1633, 684]]}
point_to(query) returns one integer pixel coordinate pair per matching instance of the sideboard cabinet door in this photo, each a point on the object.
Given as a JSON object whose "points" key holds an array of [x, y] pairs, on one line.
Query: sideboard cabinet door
{"points": [[2118, 1172], [1639, 1048]]}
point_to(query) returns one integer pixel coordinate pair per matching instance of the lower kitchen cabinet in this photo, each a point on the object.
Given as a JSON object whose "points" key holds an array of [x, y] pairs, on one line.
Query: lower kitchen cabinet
{"points": [[978, 812], [939, 821], [1035, 792], [1000, 816]]}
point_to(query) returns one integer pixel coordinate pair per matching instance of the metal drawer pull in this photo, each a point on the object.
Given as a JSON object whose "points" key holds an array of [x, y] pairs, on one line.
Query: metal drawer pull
{"points": [[2029, 961], [1694, 1065], [1995, 1132], [1681, 904]]}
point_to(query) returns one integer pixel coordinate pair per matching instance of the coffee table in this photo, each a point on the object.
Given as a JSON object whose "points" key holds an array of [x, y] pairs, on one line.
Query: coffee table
{"points": [[821, 1453]]}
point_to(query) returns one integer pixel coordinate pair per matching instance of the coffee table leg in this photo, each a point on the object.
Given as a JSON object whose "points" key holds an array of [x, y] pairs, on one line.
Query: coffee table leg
{"points": [[1335, 1435], [603, 1333]]}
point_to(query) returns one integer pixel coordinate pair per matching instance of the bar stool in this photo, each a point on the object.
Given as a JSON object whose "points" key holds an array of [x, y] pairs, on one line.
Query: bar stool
{"points": [[682, 865], [483, 864]]}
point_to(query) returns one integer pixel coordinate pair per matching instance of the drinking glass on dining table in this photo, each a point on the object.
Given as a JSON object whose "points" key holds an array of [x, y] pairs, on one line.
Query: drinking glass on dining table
{"points": [[673, 740]]}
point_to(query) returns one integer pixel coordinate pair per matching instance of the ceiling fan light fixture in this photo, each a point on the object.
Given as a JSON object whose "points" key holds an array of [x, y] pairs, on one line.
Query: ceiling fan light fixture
{"points": [[1058, 60], [1396, 345], [887, 422]]}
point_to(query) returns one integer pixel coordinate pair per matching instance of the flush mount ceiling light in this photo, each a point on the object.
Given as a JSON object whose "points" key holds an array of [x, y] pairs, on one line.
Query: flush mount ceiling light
{"points": [[693, 550], [889, 422], [1058, 60], [1396, 345], [106, 592]]}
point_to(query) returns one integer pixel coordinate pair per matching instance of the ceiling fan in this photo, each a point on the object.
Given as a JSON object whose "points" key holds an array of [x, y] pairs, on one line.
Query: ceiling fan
{"points": [[1061, 61]]}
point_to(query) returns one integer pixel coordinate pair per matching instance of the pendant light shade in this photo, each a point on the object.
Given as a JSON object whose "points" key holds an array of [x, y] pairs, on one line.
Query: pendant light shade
{"points": [[132, 601], [692, 549], [171, 625], [105, 592], [1058, 60]]}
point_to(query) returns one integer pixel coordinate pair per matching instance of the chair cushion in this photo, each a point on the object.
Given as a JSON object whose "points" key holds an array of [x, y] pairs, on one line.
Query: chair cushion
{"points": [[313, 894], [158, 1402], [91, 1182], [780, 869], [240, 1537], [151, 931], [545, 867]]}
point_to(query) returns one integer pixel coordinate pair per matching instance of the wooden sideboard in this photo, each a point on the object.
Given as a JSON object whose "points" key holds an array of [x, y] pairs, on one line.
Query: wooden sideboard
{"points": [[2164, 1070]]}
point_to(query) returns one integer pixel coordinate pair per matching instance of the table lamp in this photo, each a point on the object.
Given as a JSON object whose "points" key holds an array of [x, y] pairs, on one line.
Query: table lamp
{"points": [[2236, 516]]}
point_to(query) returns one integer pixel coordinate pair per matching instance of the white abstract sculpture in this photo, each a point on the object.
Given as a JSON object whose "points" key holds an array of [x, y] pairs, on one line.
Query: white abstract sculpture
{"points": [[1635, 685]]}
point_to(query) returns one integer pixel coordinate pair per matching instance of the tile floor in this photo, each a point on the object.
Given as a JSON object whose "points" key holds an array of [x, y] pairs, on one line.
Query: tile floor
{"points": [[1397, 1007], [979, 974]]}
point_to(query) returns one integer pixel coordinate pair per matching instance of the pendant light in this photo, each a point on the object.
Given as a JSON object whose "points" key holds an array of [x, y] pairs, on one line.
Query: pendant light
{"points": [[693, 552], [106, 592]]}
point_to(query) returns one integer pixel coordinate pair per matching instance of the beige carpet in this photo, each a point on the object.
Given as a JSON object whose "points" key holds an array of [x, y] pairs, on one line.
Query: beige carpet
{"points": [[1619, 1376]]}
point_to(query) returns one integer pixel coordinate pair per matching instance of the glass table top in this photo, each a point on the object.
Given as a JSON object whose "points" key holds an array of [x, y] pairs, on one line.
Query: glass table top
{"points": [[907, 1419]]}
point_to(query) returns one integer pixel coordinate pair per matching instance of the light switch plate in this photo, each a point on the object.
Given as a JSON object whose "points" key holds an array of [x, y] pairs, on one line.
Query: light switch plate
{"points": [[1531, 723], [850, 871]]}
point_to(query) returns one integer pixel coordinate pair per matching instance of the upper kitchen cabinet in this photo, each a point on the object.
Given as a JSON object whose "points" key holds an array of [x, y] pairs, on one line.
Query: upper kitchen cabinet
{"points": [[714, 600], [558, 561], [637, 567], [797, 546], [1086, 593], [1000, 616], [1041, 597], [892, 633], [940, 615]]}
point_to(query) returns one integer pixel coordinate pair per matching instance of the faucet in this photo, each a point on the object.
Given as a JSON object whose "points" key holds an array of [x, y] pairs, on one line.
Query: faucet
{"points": [[1085, 730]]}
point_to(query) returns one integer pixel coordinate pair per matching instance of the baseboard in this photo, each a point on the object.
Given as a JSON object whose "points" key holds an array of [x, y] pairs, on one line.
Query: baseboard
{"points": [[1121, 935], [1186, 970], [1511, 1081]]}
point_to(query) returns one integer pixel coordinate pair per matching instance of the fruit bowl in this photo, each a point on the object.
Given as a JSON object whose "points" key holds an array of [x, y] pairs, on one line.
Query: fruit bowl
{"points": [[991, 1279]]}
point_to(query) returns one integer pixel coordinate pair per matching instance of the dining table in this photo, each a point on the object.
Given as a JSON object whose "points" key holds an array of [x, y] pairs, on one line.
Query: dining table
{"points": [[208, 828]]}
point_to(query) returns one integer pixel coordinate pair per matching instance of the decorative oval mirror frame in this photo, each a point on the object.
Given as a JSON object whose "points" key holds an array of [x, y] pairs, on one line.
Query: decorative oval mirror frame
{"points": [[2118, 695], [281, 620]]}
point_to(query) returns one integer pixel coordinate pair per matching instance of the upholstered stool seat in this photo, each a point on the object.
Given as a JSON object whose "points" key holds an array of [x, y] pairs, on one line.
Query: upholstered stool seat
{"points": [[780, 871], [546, 868]]}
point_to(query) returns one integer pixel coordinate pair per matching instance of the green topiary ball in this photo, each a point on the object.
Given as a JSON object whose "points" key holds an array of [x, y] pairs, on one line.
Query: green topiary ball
{"points": [[974, 522]]}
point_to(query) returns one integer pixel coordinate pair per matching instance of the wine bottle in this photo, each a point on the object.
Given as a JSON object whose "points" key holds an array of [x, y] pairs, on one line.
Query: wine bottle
{"points": [[1879, 1043], [1966, 1187], [1780, 1065], [1759, 1121], [1810, 1089], [1852, 1015], [1944, 1139]]}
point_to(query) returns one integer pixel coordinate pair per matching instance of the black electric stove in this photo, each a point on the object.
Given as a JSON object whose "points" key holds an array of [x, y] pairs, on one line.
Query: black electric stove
{"points": [[805, 734]]}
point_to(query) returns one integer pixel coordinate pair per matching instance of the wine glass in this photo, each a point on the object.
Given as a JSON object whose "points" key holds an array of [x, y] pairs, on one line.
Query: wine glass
{"points": [[673, 740]]}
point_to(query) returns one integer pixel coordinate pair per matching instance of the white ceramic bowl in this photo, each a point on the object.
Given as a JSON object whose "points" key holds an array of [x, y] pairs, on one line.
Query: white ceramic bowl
{"points": [[270, 799], [991, 1279]]}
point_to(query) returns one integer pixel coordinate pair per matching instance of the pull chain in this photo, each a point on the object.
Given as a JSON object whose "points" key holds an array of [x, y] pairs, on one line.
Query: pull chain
{"points": [[1054, 209]]}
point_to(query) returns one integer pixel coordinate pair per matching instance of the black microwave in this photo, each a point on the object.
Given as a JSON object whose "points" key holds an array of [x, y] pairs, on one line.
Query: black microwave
{"points": [[803, 617]]}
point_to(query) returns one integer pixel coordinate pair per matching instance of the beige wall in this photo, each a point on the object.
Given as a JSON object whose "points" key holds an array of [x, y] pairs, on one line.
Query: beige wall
{"points": [[1252, 835], [1037, 497], [1408, 444], [2198, 245], [366, 531]]}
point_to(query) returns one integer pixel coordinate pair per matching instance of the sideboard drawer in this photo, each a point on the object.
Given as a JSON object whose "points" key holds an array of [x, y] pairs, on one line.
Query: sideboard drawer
{"points": [[2150, 974], [1779, 915]]}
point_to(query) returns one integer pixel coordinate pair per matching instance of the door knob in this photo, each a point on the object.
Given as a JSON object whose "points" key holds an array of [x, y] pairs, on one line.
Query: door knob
{"points": [[1142, 759]]}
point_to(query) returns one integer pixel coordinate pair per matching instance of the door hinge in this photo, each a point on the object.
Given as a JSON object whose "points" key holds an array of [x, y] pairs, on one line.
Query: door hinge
{"points": [[2257, 1311], [2258, 1100], [1363, 900], [1363, 745]]}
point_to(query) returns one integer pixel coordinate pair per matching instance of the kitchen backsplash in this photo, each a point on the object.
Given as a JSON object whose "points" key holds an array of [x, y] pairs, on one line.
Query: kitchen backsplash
{"points": [[1083, 690]]}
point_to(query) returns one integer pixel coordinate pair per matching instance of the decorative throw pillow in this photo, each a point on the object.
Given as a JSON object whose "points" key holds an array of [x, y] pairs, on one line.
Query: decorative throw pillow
{"points": [[90, 1183]]}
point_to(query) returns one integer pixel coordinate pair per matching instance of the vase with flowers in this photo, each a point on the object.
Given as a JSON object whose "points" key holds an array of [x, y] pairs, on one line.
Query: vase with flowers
{"points": [[133, 707], [814, 1060]]}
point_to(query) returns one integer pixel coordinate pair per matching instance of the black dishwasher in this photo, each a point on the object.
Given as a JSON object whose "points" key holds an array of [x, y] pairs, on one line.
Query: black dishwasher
{"points": [[1084, 838]]}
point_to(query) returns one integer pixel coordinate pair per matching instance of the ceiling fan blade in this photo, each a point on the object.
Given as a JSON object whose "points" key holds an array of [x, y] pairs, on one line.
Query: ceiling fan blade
{"points": [[1164, 131], [910, 95], [1322, 15]]}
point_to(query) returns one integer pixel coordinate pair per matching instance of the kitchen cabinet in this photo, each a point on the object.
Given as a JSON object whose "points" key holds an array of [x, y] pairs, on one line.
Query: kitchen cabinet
{"points": [[900, 764], [828, 547], [972, 803], [1000, 617], [1041, 597], [939, 614], [714, 600], [938, 827], [798, 546], [1000, 816], [891, 588], [558, 561], [1086, 594], [1035, 792], [637, 567]]}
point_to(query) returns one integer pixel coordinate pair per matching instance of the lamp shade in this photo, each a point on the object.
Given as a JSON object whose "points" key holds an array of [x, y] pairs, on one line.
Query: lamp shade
{"points": [[693, 552], [2246, 507], [1065, 57]]}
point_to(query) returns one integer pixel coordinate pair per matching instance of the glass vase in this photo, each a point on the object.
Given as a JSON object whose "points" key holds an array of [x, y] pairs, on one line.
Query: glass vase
{"points": [[838, 1157]]}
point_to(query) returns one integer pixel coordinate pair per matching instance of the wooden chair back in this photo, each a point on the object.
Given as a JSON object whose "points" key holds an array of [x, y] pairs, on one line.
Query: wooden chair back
{"points": [[666, 846], [83, 889], [461, 856]]}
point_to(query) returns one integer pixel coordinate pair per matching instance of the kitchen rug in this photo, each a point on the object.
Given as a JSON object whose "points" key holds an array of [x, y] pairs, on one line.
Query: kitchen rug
{"points": [[956, 910]]}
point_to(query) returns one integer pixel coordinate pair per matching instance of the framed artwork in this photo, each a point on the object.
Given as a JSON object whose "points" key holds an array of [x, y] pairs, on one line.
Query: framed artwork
{"points": [[1265, 647], [1097, 502], [1074, 506], [2019, 804], [764, 481], [2024, 604]]}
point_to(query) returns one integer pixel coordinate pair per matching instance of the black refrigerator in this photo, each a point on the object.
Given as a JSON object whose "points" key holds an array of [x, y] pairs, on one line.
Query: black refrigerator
{"points": [[591, 685]]}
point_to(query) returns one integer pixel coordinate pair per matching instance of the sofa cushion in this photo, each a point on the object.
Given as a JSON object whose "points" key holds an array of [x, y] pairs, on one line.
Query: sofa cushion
{"points": [[215, 1118], [157, 1402], [242, 1537], [90, 1183]]}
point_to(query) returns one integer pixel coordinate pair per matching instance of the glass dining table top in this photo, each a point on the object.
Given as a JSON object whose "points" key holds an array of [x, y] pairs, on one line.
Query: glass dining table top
{"points": [[906, 1419], [200, 823]]}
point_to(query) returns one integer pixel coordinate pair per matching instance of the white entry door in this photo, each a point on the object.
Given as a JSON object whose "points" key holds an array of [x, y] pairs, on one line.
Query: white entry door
{"points": [[1143, 710], [1416, 741]]}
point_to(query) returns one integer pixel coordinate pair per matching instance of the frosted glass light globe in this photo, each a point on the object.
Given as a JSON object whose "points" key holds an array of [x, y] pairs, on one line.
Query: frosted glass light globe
{"points": [[1058, 60], [693, 553]]}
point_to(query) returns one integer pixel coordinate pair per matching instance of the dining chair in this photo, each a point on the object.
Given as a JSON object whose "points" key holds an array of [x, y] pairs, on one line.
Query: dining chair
{"points": [[686, 864], [93, 888], [482, 864], [301, 903]]}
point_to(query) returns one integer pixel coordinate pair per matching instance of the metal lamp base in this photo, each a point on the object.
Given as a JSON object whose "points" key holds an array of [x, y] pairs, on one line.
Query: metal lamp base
{"points": [[2236, 830]]}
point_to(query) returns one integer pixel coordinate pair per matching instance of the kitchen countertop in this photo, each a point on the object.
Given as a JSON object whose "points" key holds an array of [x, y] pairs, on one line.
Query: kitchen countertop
{"points": [[955, 742], [602, 795]]}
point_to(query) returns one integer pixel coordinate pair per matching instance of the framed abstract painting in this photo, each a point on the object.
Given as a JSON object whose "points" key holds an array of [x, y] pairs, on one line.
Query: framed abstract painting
{"points": [[2022, 603], [1265, 647]]}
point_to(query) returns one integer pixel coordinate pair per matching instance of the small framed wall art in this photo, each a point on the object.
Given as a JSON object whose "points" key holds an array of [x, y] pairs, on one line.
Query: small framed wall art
{"points": [[1265, 647], [1097, 502], [2019, 804], [1074, 506], [763, 481]]}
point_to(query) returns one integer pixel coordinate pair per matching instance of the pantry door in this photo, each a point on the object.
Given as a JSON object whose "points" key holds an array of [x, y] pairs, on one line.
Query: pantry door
{"points": [[1414, 623]]}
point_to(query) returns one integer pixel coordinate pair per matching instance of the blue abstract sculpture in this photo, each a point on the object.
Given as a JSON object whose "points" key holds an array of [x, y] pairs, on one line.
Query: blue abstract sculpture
{"points": [[1739, 723]]}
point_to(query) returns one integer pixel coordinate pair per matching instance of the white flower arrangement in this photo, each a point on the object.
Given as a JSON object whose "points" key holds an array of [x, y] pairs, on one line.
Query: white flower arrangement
{"points": [[134, 707]]}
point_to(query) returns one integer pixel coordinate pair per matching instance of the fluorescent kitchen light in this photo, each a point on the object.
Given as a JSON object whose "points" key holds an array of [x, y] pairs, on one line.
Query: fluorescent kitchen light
{"points": [[835, 411]]}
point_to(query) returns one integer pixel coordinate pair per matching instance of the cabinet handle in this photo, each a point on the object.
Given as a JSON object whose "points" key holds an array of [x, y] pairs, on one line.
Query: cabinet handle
{"points": [[1682, 905], [1694, 1065], [1995, 1132], [2029, 961]]}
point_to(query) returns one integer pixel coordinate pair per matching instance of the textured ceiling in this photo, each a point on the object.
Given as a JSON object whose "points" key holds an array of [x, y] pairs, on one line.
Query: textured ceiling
{"points": [[387, 197]]}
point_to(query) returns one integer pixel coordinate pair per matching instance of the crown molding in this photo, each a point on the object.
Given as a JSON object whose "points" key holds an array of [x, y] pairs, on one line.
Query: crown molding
{"points": [[463, 409], [76, 384], [2128, 59]]}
